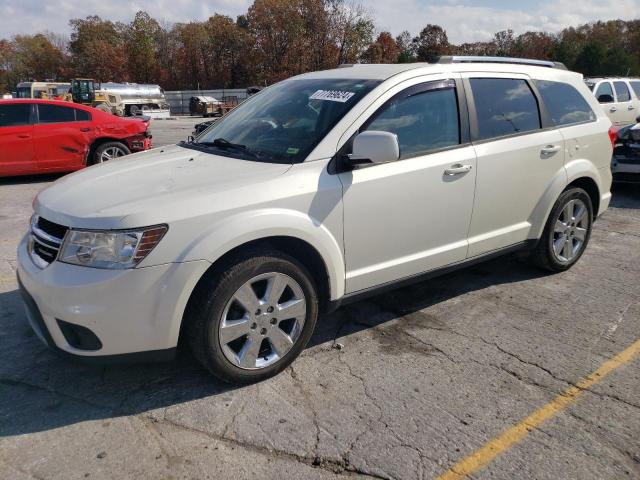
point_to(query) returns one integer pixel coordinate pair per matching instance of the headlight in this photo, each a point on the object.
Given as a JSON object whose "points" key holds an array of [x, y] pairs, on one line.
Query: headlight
{"points": [[109, 248]]}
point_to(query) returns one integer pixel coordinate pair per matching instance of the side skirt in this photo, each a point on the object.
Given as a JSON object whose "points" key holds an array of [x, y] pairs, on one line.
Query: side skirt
{"points": [[420, 277]]}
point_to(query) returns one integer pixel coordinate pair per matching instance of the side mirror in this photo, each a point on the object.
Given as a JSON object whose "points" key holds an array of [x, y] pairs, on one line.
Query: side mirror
{"points": [[605, 98], [375, 147]]}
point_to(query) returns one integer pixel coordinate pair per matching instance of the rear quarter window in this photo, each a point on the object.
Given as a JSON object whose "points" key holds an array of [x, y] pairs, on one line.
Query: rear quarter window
{"points": [[82, 115], [636, 87], [15, 115], [564, 103]]}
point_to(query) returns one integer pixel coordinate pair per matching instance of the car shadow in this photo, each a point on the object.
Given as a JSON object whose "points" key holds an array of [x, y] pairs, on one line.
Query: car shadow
{"points": [[27, 179], [40, 391]]}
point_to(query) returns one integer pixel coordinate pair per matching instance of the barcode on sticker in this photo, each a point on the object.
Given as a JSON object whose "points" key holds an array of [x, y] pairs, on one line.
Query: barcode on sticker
{"points": [[332, 95]]}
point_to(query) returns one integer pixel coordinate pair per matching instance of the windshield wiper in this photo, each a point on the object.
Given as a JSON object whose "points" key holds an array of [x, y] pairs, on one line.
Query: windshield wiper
{"points": [[227, 145]]}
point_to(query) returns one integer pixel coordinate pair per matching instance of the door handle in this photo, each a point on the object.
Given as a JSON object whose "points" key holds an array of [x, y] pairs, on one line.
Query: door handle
{"points": [[630, 107], [613, 109], [24, 136], [85, 129], [550, 149], [458, 169]]}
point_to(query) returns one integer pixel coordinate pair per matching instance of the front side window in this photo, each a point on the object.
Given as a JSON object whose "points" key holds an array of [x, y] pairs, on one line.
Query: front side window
{"points": [[636, 87], [504, 106], [604, 93], [283, 123], [55, 114], [424, 121], [622, 91], [23, 92], [564, 103], [15, 115]]}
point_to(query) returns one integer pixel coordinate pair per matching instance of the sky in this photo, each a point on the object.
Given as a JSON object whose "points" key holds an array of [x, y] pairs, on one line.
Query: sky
{"points": [[464, 20]]}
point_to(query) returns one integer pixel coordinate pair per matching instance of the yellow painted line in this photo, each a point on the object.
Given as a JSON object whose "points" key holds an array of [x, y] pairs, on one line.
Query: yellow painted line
{"points": [[480, 458]]}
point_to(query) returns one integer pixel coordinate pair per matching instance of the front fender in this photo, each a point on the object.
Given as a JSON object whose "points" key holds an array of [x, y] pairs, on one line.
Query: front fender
{"points": [[245, 227]]}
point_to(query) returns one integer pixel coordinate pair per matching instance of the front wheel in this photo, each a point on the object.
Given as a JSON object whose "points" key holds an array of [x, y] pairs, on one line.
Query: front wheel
{"points": [[253, 319], [566, 233]]}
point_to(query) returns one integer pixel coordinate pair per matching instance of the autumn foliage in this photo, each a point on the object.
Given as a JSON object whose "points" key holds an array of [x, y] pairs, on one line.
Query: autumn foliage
{"points": [[276, 39]]}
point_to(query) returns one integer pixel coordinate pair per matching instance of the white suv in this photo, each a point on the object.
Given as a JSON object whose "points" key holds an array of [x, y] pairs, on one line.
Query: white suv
{"points": [[620, 98], [319, 190]]}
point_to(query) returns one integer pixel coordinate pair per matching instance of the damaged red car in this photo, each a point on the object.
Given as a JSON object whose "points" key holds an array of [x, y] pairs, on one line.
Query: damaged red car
{"points": [[47, 136]]}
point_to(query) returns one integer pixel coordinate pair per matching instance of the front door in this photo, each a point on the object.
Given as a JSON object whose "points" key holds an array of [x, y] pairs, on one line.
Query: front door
{"points": [[412, 215], [16, 139]]}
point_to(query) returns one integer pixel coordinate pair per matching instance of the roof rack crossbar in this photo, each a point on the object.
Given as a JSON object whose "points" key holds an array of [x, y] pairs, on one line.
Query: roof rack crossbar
{"points": [[480, 59]]}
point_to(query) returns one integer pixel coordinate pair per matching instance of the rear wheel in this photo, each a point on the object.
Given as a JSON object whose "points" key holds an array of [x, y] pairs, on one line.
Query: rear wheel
{"points": [[251, 321], [566, 233], [108, 151]]}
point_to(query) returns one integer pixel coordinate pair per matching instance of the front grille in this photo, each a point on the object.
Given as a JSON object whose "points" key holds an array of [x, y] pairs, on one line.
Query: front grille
{"points": [[51, 228], [46, 239]]}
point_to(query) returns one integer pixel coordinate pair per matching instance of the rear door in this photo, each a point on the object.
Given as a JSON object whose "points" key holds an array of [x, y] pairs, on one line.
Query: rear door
{"points": [[626, 108], [62, 136], [16, 139], [517, 158], [635, 93]]}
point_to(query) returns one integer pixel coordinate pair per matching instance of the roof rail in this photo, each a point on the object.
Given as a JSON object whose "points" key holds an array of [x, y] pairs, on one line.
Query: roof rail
{"points": [[481, 59]]}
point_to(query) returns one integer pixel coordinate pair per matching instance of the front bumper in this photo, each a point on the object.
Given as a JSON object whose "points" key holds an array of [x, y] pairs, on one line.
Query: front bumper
{"points": [[135, 314]]}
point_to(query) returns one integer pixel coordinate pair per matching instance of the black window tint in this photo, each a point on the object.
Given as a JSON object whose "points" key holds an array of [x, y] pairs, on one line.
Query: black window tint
{"points": [[55, 114], [14, 115], [564, 103], [504, 106], [604, 89], [636, 88], [424, 121], [622, 91], [82, 116]]}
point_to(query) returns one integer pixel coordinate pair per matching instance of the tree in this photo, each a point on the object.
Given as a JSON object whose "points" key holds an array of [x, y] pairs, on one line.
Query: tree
{"points": [[505, 43], [142, 39], [98, 49], [35, 57], [537, 45], [590, 60], [383, 50], [431, 43], [404, 45]]}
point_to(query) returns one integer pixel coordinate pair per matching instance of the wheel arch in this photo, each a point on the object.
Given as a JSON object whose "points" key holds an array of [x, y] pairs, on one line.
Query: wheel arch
{"points": [[299, 249]]}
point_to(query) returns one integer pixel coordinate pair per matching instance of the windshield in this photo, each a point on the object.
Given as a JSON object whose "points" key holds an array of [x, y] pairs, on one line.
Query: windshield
{"points": [[23, 92], [284, 122]]}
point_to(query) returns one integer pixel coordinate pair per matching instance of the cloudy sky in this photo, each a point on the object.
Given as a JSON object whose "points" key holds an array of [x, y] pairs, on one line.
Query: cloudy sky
{"points": [[464, 20]]}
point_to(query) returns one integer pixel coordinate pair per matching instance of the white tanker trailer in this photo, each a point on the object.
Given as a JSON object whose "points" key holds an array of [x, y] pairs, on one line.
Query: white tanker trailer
{"points": [[139, 98]]}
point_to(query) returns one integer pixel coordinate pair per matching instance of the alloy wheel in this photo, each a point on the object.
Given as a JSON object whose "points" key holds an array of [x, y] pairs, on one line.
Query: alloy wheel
{"points": [[111, 152], [570, 231], [262, 321]]}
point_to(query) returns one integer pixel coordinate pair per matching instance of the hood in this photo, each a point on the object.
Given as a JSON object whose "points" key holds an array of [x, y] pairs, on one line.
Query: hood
{"points": [[145, 188]]}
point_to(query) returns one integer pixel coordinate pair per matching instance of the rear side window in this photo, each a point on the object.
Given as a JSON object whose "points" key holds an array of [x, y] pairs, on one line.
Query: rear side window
{"points": [[425, 121], [55, 114], [15, 115], [622, 91], [82, 115], [565, 104], [504, 106], [636, 87], [604, 89]]}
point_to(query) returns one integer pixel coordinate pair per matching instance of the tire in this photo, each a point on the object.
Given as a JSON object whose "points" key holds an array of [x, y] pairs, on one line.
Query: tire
{"points": [[109, 149], [256, 345], [560, 248]]}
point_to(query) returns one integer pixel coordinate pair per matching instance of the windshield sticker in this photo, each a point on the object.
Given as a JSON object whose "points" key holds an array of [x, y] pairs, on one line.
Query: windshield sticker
{"points": [[292, 150], [332, 95]]}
